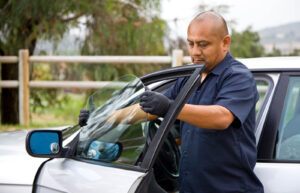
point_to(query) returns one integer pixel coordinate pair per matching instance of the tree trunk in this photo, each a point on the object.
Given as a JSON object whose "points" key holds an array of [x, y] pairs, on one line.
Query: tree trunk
{"points": [[9, 96]]}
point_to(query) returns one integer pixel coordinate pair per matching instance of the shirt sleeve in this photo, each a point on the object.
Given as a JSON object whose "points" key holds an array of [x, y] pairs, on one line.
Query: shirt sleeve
{"points": [[238, 94]]}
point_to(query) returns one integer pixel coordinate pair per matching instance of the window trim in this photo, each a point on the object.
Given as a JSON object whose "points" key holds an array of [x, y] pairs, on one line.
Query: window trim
{"points": [[170, 118], [267, 79], [266, 100], [166, 76], [267, 143]]}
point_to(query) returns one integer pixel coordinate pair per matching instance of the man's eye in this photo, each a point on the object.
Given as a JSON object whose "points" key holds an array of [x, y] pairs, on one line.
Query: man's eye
{"points": [[191, 44], [203, 44]]}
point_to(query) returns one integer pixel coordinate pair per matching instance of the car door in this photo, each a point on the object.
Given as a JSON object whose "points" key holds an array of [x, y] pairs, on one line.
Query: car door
{"points": [[131, 172], [161, 135], [278, 165], [91, 164]]}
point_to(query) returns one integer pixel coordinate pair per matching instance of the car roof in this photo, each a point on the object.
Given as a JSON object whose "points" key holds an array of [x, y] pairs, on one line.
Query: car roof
{"points": [[284, 63], [263, 64]]}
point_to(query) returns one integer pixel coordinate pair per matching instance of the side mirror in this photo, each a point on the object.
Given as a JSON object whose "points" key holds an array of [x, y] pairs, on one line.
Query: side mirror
{"points": [[104, 151], [44, 143]]}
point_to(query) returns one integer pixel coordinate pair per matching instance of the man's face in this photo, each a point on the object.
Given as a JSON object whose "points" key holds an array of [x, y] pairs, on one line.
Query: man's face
{"points": [[205, 44]]}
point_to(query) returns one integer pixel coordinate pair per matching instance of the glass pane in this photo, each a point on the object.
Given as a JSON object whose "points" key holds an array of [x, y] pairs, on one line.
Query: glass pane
{"points": [[111, 135], [262, 87], [289, 129], [44, 143]]}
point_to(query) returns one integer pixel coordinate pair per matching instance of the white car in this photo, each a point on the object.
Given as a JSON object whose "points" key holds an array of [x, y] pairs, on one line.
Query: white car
{"points": [[144, 157]]}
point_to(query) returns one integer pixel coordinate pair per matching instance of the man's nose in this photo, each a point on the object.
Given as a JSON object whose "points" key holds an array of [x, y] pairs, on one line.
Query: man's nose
{"points": [[196, 50]]}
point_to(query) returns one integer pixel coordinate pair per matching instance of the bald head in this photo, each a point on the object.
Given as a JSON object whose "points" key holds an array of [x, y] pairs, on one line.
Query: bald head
{"points": [[213, 20], [208, 39]]}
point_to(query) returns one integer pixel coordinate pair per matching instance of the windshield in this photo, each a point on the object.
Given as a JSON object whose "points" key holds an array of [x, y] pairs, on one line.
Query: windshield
{"points": [[111, 135]]}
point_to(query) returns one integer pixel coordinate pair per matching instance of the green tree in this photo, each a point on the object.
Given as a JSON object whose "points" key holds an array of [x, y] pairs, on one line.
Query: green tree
{"points": [[246, 44], [295, 52], [22, 23], [114, 27], [275, 52], [123, 29]]}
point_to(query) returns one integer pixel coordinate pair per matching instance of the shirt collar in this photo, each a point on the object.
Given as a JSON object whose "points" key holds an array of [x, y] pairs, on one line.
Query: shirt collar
{"points": [[222, 65]]}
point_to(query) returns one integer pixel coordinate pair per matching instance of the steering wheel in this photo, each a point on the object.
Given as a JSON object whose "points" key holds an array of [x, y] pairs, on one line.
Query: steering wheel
{"points": [[166, 166]]}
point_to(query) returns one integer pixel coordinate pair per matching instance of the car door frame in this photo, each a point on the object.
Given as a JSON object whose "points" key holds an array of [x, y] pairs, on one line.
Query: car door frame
{"points": [[170, 117], [148, 183], [277, 176], [267, 142], [167, 75]]}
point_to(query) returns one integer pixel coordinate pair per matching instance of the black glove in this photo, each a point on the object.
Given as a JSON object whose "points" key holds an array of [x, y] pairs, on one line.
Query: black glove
{"points": [[155, 103], [83, 117]]}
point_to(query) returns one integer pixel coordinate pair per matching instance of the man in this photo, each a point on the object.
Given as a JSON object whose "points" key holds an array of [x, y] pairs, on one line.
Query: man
{"points": [[217, 123]]}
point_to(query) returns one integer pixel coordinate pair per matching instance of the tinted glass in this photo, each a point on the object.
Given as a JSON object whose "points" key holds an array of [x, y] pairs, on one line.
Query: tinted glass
{"points": [[106, 137], [288, 143]]}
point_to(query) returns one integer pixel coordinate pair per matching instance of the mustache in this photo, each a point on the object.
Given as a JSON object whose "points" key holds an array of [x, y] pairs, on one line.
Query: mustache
{"points": [[198, 59]]}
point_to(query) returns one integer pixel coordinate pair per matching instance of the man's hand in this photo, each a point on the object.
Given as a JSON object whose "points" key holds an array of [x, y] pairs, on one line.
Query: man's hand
{"points": [[155, 103], [83, 117]]}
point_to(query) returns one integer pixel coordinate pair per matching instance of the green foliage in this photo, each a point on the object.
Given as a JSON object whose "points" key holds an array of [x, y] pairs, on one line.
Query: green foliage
{"points": [[243, 45], [130, 27], [118, 28], [114, 28], [295, 52], [275, 52], [246, 44], [63, 112], [41, 99], [23, 22]]}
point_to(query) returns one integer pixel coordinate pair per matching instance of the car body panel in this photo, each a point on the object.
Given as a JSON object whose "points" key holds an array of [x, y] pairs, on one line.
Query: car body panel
{"points": [[68, 175], [18, 169], [279, 177], [15, 188], [272, 64]]}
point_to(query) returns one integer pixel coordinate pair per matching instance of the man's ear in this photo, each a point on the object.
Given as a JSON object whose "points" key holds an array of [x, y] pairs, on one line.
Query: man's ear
{"points": [[226, 43]]}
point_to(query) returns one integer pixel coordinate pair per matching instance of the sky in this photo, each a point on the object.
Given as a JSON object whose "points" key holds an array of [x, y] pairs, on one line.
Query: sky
{"points": [[259, 14]]}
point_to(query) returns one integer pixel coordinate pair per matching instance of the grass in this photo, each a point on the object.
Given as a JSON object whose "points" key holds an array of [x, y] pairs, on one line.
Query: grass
{"points": [[65, 114], [32, 125]]}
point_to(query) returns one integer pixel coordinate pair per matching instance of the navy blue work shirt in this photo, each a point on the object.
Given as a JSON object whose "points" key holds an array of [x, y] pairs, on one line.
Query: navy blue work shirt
{"points": [[221, 161]]}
